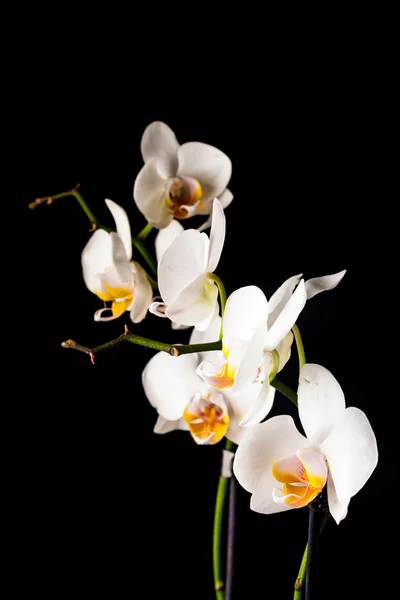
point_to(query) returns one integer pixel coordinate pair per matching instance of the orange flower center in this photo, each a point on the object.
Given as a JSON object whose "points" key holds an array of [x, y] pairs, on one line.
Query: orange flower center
{"points": [[182, 192]]}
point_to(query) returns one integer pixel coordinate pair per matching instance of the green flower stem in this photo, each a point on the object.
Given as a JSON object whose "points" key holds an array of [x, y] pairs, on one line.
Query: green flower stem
{"points": [[218, 523], [285, 390], [299, 584], [173, 350], [275, 367], [300, 347], [137, 243], [222, 296], [142, 235]]}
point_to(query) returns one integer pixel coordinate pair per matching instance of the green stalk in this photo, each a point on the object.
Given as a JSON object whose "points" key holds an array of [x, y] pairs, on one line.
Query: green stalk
{"points": [[300, 347], [222, 297], [142, 235]]}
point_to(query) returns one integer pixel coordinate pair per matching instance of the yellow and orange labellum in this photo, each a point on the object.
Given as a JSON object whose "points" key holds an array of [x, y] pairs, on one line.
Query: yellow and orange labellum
{"points": [[182, 192], [120, 297], [223, 379], [300, 485], [209, 423]]}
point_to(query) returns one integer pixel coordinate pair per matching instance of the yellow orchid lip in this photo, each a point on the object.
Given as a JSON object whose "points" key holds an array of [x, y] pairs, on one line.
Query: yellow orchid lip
{"points": [[183, 191], [301, 482], [223, 379], [120, 297], [207, 421]]}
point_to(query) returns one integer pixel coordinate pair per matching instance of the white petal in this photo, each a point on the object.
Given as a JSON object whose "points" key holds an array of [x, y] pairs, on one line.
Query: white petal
{"points": [[261, 407], [211, 167], [261, 446], [122, 225], [281, 297], [337, 509], [251, 361], [244, 310], [351, 452], [176, 326], [321, 401], [142, 294], [149, 193], [287, 318], [284, 350], [181, 264], [263, 504], [225, 198], [194, 304], [96, 257], [322, 284], [164, 426], [204, 325], [166, 236], [217, 236], [120, 261], [206, 207], [170, 383], [159, 140]]}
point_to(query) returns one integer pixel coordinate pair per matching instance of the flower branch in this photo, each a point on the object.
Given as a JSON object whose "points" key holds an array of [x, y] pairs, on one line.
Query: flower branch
{"points": [[137, 242], [128, 336]]}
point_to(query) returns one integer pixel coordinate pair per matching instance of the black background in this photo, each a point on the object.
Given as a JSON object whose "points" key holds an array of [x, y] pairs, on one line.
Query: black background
{"points": [[109, 507]]}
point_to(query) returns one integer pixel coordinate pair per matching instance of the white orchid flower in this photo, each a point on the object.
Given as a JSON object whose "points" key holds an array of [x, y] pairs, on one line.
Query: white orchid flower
{"points": [[190, 296], [184, 401], [253, 327], [179, 181], [111, 275], [283, 469]]}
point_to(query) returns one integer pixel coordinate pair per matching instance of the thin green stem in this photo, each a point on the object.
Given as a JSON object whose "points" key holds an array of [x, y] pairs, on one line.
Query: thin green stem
{"points": [[285, 390], [172, 349], [142, 235], [137, 243], [300, 347], [218, 523], [222, 297]]}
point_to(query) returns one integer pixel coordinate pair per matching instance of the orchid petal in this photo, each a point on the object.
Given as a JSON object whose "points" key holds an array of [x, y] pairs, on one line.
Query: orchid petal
{"points": [[337, 509], [211, 334], [204, 325], [149, 191], [193, 304], [261, 407], [351, 452], [122, 225], [211, 167], [244, 310], [158, 309], [284, 350], [181, 264], [287, 317], [283, 293], [164, 426], [321, 401], [170, 383], [120, 260], [96, 257], [260, 448], [251, 360], [142, 294], [217, 236], [322, 284], [166, 236], [159, 140]]}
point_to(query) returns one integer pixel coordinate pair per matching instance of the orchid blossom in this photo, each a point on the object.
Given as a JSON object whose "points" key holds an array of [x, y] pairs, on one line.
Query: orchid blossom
{"points": [[183, 401], [189, 294], [111, 275], [284, 469], [179, 181], [253, 328]]}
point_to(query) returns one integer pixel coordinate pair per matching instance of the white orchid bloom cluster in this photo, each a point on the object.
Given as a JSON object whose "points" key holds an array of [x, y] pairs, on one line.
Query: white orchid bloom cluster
{"points": [[223, 384]]}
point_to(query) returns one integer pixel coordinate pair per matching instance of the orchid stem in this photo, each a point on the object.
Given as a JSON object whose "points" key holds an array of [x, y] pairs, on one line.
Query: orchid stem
{"points": [[300, 347], [142, 235], [127, 336], [222, 297], [137, 243], [285, 390], [222, 489]]}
